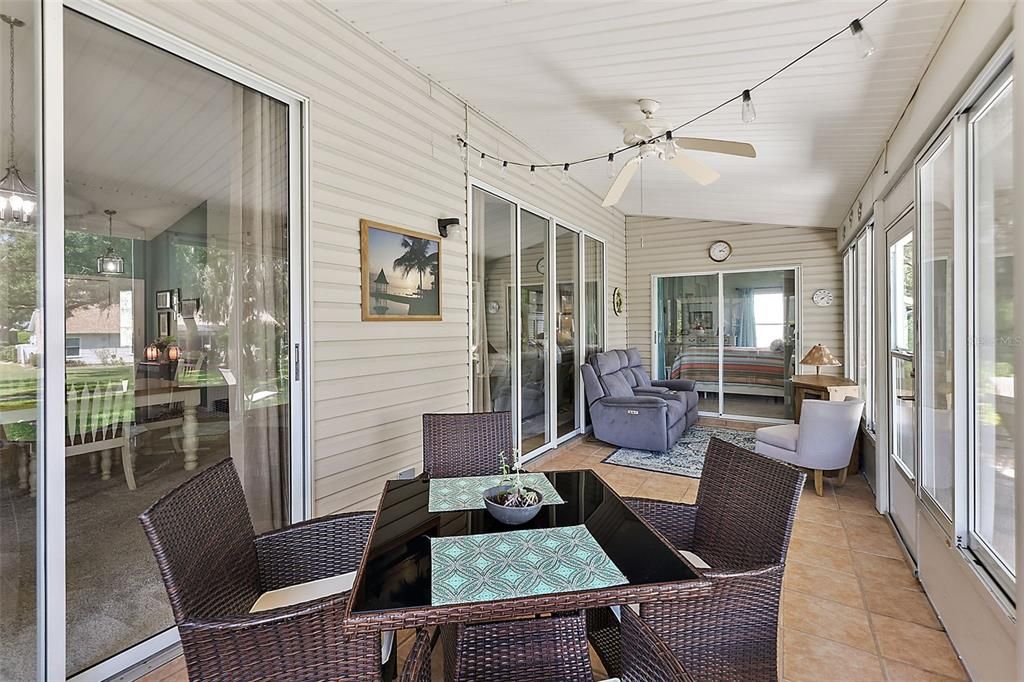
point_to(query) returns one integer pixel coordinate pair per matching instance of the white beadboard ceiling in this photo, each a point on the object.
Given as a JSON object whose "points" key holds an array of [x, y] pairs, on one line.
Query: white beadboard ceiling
{"points": [[560, 75]]}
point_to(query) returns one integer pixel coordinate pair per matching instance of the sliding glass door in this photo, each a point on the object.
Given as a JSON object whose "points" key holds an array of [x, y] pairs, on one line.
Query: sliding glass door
{"points": [[537, 291], [534, 346], [568, 416], [902, 459], [734, 334], [686, 345], [21, 359], [171, 235]]}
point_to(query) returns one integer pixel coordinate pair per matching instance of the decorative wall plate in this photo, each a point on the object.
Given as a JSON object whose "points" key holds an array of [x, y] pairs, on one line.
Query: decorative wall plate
{"points": [[617, 301]]}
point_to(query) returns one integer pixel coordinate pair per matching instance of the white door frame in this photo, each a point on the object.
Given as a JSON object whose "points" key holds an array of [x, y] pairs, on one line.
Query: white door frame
{"points": [[51, 499]]}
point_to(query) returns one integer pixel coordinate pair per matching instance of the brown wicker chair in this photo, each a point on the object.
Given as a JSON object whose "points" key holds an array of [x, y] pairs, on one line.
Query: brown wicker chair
{"points": [[214, 567], [466, 444], [645, 657], [740, 526]]}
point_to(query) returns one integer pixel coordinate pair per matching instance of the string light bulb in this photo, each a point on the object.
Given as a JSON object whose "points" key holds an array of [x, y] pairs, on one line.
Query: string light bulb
{"points": [[748, 113], [668, 148], [482, 158], [565, 174], [462, 147], [611, 165], [533, 174], [865, 46], [504, 168]]}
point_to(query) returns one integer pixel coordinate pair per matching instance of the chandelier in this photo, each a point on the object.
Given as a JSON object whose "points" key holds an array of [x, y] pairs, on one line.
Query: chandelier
{"points": [[110, 263], [17, 199]]}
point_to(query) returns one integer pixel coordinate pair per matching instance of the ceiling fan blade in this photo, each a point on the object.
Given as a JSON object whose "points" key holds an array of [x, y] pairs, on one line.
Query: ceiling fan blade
{"points": [[703, 174], [621, 182], [703, 144]]}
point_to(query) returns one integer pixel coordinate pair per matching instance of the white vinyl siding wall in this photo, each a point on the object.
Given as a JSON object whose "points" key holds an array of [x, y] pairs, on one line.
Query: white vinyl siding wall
{"points": [[381, 147], [680, 246]]}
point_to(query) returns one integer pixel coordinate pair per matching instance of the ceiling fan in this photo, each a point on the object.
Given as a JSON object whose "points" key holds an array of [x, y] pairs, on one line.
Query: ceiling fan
{"points": [[654, 139]]}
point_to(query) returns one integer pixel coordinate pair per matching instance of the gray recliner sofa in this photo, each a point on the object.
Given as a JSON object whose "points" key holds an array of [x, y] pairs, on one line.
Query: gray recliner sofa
{"points": [[629, 410]]}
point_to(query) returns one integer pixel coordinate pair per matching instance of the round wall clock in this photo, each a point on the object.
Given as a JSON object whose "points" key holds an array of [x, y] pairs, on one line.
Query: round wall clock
{"points": [[617, 301], [540, 266], [822, 297], [719, 251], [493, 307]]}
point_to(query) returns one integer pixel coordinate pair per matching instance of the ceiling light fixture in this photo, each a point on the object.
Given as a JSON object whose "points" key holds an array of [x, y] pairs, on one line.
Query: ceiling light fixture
{"points": [[865, 46], [110, 263], [748, 113], [17, 199]]}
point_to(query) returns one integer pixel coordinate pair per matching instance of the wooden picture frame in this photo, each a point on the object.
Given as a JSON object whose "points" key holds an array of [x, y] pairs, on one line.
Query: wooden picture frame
{"points": [[163, 323], [164, 299], [399, 293]]}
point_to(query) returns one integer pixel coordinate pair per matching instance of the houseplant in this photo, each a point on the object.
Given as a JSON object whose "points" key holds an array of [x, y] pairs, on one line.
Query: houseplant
{"points": [[511, 502]]}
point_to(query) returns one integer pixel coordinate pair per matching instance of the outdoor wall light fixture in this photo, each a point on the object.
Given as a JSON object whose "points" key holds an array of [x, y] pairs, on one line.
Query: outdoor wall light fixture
{"points": [[444, 223]]}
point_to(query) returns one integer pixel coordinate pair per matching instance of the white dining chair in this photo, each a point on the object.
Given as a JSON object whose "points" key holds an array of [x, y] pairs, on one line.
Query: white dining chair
{"points": [[822, 441]]}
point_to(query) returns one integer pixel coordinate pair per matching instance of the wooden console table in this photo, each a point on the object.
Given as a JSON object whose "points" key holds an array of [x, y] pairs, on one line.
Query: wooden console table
{"points": [[826, 387], [821, 387]]}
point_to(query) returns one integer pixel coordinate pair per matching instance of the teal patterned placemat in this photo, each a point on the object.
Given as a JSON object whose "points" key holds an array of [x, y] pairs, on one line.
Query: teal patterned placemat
{"points": [[457, 494], [519, 563]]}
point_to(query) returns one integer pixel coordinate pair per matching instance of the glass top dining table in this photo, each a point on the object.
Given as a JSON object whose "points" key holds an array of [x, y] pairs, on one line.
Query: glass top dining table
{"points": [[393, 587]]}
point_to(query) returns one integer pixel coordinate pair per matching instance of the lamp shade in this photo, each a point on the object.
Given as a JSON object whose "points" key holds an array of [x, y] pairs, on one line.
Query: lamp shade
{"points": [[819, 356], [173, 353], [152, 352]]}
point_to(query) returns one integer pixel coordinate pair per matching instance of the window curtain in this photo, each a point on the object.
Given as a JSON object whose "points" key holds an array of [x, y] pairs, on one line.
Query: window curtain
{"points": [[746, 321], [258, 350]]}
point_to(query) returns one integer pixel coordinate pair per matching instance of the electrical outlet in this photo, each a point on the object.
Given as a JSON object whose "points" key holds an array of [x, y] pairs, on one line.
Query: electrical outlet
{"points": [[407, 473]]}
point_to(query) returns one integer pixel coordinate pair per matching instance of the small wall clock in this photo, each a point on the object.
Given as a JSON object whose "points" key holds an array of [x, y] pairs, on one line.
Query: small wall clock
{"points": [[719, 251], [822, 297]]}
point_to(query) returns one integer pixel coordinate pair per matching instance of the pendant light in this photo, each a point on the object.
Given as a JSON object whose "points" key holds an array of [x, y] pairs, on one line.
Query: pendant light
{"points": [[110, 263], [17, 199]]}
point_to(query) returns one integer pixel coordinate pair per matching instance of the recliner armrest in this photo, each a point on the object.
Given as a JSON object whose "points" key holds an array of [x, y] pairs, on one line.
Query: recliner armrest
{"points": [[676, 384], [635, 401]]}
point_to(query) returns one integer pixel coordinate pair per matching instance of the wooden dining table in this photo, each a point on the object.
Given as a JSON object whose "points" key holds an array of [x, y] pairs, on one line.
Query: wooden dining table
{"points": [[394, 588]]}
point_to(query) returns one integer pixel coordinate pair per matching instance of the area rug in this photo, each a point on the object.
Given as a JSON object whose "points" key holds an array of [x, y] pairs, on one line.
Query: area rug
{"points": [[686, 458]]}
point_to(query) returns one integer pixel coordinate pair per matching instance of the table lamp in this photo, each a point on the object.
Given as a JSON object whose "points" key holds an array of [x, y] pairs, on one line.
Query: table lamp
{"points": [[820, 356]]}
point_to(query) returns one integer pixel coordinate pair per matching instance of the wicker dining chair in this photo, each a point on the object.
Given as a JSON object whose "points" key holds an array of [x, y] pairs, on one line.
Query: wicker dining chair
{"points": [[740, 526], [466, 444], [215, 567]]}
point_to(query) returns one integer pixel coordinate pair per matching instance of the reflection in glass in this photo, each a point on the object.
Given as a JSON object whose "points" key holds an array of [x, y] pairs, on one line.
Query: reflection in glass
{"points": [[903, 411], [994, 341], [182, 359], [493, 229], [20, 365], [567, 259], [533, 349], [593, 276], [937, 360], [758, 335], [688, 334]]}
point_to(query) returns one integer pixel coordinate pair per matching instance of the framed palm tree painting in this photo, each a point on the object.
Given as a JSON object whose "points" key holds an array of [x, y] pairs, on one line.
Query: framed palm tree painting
{"points": [[401, 273]]}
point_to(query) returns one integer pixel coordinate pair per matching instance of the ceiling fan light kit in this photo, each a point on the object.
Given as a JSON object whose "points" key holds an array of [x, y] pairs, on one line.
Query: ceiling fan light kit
{"points": [[654, 138]]}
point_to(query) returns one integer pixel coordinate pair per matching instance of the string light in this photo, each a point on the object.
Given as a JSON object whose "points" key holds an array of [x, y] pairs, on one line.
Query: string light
{"points": [[748, 113], [865, 48]]}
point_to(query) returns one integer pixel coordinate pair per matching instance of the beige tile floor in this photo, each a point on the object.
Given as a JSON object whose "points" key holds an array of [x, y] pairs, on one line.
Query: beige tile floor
{"points": [[851, 606]]}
